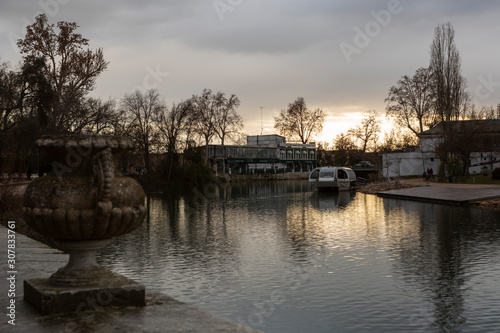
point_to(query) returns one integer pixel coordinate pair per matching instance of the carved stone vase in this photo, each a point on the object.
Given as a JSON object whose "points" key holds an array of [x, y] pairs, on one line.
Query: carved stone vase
{"points": [[83, 202]]}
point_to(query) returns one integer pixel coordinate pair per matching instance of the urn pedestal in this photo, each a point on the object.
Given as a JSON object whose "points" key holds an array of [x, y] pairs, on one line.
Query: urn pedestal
{"points": [[81, 204]]}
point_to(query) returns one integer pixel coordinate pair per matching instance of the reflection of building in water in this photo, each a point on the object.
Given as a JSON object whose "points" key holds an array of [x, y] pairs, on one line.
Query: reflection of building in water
{"points": [[269, 153], [432, 245]]}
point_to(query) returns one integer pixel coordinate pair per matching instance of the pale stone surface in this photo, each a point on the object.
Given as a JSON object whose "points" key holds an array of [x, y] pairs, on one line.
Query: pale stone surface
{"points": [[448, 195], [116, 290]]}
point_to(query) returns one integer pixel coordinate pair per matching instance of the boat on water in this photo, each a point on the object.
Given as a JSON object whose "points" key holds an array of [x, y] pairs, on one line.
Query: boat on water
{"points": [[333, 178]]}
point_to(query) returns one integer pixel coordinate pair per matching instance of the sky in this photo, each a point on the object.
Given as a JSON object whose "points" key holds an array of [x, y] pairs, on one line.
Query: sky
{"points": [[341, 56]]}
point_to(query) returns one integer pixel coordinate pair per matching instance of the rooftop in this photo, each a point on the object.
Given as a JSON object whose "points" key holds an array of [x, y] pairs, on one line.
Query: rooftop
{"points": [[483, 125]]}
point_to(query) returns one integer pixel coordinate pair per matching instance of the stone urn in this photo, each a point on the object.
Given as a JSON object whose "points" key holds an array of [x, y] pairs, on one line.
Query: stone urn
{"points": [[83, 202]]}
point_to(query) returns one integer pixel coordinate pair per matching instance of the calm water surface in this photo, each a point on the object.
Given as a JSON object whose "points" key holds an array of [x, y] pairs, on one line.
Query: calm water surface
{"points": [[282, 258]]}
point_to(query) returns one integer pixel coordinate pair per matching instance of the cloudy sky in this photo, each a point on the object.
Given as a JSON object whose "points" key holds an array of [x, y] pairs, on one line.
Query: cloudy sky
{"points": [[340, 55]]}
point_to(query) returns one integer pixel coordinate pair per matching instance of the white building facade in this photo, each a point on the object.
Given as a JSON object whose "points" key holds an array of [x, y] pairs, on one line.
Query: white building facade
{"points": [[415, 163]]}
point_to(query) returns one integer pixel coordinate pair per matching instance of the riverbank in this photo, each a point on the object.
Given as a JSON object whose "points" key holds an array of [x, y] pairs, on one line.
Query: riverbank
{"points": [[268, 176], [157, 184], [490, 204], [374, 188], [481, 195]]}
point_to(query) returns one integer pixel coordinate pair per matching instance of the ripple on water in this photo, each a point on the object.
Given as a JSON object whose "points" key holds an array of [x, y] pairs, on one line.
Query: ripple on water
{"points": [[291, 260]]}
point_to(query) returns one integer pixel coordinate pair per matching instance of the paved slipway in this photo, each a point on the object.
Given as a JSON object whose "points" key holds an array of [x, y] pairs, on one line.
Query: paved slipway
{"points": [[36, 260], [456, 194]]}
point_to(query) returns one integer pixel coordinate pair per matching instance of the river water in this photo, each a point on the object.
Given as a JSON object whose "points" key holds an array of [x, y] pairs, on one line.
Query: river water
{"points": [[281, 257]]}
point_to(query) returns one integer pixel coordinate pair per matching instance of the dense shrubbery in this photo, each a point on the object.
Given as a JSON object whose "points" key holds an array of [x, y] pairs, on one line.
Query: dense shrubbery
{"points": [[455, 167], [496, 174], [190, 172], [10, 203]]}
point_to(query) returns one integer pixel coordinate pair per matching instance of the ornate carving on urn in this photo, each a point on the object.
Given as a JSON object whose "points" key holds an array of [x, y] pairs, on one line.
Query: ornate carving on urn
{"points": [[83, 202]]}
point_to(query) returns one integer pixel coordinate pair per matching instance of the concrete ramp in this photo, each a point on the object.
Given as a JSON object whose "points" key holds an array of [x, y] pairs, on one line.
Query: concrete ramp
{"points": [[445, 195]]}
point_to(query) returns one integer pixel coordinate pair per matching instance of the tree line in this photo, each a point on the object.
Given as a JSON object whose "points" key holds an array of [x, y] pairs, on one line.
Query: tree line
{"points": [[434, 94], [49, 93], [438, 94]]}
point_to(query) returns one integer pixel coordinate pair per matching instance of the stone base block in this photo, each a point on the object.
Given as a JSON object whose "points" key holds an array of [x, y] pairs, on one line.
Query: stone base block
{"points": [[117, 291]]}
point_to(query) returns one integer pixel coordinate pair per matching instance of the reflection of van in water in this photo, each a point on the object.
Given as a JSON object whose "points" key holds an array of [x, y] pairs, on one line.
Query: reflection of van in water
{"points": [[333, 178]]}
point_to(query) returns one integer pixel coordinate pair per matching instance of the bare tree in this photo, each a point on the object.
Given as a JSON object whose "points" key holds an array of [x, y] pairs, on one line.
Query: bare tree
{"points": [[172, 123], [95, 116], [368, 131], [240, 138], [299, 122], [452, 99], [205, 107], [398, 139], [11, 95], [411, 101], [486, 112], [12, 115], [344, 141], [143, 108], [227, 121], [324, 154], [215, 114], [119, 124], [344, 146], [59, 61], [445, 65], [465, 141]]}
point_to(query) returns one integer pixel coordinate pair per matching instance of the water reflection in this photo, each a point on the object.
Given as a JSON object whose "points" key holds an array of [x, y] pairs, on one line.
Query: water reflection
{"points": [[282, 258], [439, 247], [329, 201]]}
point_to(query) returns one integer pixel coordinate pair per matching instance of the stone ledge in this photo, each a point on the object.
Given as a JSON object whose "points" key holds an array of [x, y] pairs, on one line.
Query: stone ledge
{"points": [[47, 298], [161, 314]]}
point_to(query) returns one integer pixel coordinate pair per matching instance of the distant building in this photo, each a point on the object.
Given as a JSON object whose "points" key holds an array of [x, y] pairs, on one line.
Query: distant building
{"points": [[272, 140], [409, 163], [263, 153], [484, 142]]}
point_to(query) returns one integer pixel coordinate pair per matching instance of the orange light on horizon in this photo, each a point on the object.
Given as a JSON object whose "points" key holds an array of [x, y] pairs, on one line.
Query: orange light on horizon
{"points": [[333, 126]]}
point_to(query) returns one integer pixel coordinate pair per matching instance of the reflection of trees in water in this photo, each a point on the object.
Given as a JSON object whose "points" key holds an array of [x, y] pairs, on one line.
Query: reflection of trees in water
{"points": [[299, 229], [449, 277], [306, 219], [257, 189], [433, 245], [203, 244], [208, 245], [177, 239]]}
